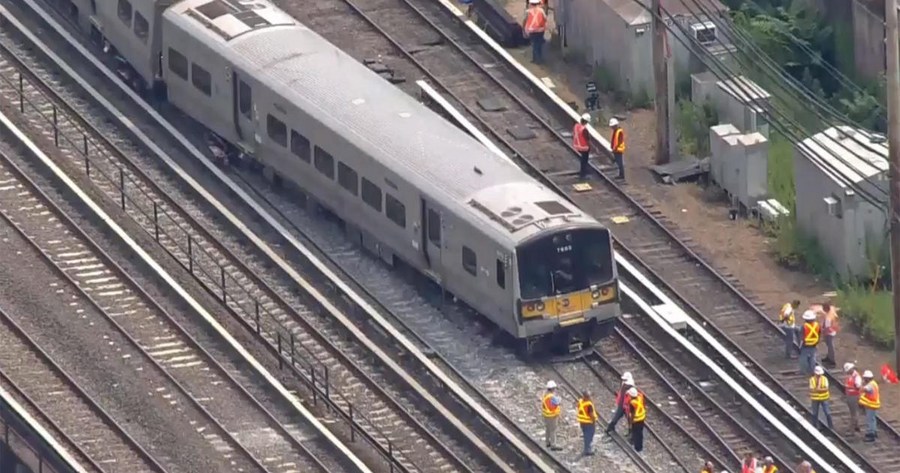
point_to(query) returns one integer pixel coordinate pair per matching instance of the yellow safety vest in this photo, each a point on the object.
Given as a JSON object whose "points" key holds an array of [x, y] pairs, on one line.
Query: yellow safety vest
{"points": [[547, 408], [811, 334], [870, 400], [818, 388], [583, 417], [638, 410], [787, 314], [770, 469]]}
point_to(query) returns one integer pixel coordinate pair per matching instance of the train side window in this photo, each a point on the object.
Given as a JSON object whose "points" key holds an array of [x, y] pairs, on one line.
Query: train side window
{"points": [[141, 27], [324, 163], [501, 274], [434, 227], [178, 64], [348, 178], [299, 146], [469, 261], [124, 10], [201, 79], [371, 194], [245, 99], [395, 210], [277, 130]]}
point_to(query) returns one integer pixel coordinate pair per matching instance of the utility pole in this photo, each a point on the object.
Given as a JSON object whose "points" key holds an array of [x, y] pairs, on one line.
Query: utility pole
{"points": [[661, 81], [892, 49]]}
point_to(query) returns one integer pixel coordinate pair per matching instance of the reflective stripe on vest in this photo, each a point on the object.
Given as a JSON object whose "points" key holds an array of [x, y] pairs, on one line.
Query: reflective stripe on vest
{"points": [[851, 386], [818, 388], [789, 318], [579, 138], [870, 400], [770, 469], [811, 334], [748, 466], [618, 141], [536, 21], [583, 417], [639, 410], [547, 408]]}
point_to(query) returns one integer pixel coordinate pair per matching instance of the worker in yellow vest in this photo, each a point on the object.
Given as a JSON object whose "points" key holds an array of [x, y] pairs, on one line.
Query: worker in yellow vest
{"points": [[587, 419], [550, 409], [870, 401], [769, 465], [819, 393], [809, 341], [787, 321], [637, 412]]}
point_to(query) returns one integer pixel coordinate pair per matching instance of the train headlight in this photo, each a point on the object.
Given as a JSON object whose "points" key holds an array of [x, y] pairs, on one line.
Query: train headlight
{"points": [[530, 308], [540, 306], [595, 294], [565, 303], [605, 291]]}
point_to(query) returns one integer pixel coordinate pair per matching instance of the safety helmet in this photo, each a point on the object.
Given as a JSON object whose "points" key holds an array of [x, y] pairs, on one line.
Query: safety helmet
{"points": [[586, 117], [868, 374], [613, 122], [848, 366], [551, 384], [626, 376], [809, 315], [632, 392], [819, 370], [768, 460], [534, 2]]}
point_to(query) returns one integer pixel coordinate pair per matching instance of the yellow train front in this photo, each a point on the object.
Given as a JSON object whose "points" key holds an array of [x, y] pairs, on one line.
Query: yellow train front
{"points": [[568, 295]]}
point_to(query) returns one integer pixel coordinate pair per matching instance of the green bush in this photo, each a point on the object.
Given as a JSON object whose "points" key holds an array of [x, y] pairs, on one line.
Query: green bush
{"points": [[871, 311], [693, 121], [798, 251]]}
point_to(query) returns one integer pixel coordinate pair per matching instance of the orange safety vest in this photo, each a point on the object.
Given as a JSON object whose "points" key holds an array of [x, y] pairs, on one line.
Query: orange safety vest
{"points": [[638, 409], [583, 417], [811, 333], [547, 407], [618, 141], [622, 399], [818, 388], [851, 386], [832, 318], [536, 21], [770, 469], [749, 466], [870, 400], [579, 138]]}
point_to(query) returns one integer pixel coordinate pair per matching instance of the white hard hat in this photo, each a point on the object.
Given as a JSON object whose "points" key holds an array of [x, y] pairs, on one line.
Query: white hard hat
{"points": [[819, 370], [626, 376], [632, 392], [809, 315], [551, 384], [769, 460], [534, 2], [586, 117], [613, 122], [848, 366], [868, 374]]}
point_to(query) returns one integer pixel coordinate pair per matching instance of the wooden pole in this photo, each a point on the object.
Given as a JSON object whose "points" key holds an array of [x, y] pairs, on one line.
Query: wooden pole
{"points": [[892, 49], [661, 82]]}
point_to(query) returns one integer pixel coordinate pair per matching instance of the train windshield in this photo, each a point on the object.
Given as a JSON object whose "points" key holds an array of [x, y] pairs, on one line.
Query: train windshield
{"points": [[565, 262]]}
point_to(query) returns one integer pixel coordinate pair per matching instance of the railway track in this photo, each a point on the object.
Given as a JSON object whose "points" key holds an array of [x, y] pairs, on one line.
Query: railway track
{"points": [[223, 406], [421, 38], [360, 387]]}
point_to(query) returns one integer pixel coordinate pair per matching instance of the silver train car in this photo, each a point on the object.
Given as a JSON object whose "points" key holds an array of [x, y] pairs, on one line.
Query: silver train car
{"points": [[409, 186]]}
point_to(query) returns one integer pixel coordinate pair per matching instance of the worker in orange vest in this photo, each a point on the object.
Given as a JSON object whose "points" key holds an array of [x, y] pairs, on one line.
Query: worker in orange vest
{"points": [[749, 463], [852, 387], [870, 401], [621, 403], [769, 465], [637, 413], [809, 341], [787, 321], [582, 144], [831, 330], [617, 144], [534, 26], [550, 409]]}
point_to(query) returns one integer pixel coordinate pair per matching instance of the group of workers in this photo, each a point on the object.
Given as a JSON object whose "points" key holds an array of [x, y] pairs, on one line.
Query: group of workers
{"points": [[581, 141], [861, 392], [751, 465], [630, 403]]}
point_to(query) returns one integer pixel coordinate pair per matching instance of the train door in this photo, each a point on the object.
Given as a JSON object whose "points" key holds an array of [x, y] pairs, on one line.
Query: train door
{"points": [[243, 110], [432, 238]]}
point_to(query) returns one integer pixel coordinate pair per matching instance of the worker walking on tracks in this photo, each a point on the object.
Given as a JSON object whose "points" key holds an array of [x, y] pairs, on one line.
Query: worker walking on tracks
{"points": [[831, 330], [870, 402], [852, 387], [805, 467], [550, 408], [787, 321], [621, 403], [707, 467], [809, 341], [617, 144], [637, 412], [582, 144], [769, 465], [587, 419], [819, 393], [534, 26], [749, 463]]}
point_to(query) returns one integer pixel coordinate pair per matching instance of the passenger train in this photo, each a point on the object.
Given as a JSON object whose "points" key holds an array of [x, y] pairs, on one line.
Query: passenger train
{"points": [[409, 186]]}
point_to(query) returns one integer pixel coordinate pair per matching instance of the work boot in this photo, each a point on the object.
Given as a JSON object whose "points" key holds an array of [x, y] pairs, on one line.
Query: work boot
{"points": [[870, 438]]}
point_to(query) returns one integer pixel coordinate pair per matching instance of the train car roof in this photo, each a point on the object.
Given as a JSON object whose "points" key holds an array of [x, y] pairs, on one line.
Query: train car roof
{"points": [[301, 66]]}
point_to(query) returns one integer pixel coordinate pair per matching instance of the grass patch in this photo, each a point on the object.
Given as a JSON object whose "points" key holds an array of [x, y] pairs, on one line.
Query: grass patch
{"points": [[692, 122], [869, 310]]}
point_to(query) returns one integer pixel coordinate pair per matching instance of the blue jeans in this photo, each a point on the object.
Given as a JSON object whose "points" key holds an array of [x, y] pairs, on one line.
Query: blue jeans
{"points": [[620, 163], [537, 47], [587, 431], [871, 422], [815, 413], [807, 359], [617, 416], [790, 340]]}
